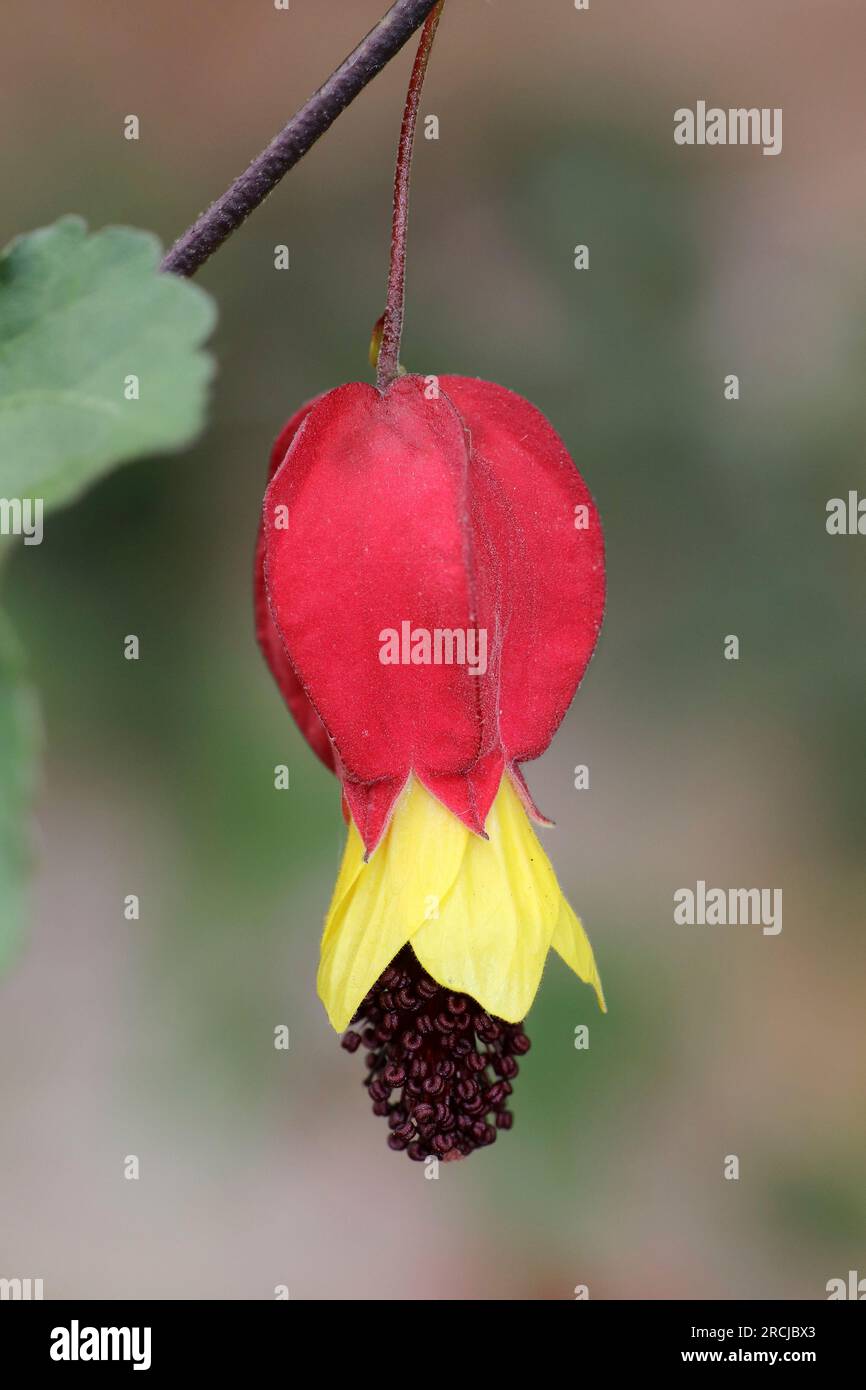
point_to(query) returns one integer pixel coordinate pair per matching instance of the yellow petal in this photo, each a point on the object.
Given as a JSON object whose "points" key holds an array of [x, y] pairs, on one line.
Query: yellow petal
{"points": [[377, 906], [480, 914], [572, 943], [496, 925]]}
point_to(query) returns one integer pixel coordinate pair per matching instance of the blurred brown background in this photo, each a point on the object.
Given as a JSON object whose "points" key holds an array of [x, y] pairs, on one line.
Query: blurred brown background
{"points": [[154, 1038]]}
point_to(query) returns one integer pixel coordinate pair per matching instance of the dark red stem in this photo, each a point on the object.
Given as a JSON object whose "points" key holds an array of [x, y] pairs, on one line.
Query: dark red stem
{"points": [[388, 365]]}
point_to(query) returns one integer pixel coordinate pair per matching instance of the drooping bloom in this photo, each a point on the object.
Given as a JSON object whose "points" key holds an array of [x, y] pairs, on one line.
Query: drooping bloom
{"points": [[429, 591]]}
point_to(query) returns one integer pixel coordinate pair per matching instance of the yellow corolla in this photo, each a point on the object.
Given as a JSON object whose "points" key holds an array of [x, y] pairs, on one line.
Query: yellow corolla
{"points": [[480, 915]]}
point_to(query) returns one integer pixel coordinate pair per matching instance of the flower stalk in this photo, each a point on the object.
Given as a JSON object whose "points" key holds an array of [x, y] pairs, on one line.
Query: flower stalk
{"points": [[388, 365]]}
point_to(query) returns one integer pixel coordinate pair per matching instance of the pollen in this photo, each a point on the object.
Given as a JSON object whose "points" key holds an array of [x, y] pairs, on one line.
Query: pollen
{"points": [[439, 1068]]}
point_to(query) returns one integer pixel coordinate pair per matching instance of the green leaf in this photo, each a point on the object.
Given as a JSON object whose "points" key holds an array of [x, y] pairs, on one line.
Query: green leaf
{"points": [[79, 315], [20, 739]]}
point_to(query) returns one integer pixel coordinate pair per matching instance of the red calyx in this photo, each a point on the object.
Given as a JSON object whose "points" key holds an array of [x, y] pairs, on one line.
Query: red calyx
{"points": [[415, 514]]}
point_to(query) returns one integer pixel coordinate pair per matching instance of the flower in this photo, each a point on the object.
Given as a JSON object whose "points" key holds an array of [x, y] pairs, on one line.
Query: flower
{"points": [[429, 592]]}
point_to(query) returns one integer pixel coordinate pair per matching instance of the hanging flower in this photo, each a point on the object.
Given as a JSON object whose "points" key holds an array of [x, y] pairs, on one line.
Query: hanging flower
{"points": [[429, 591]]}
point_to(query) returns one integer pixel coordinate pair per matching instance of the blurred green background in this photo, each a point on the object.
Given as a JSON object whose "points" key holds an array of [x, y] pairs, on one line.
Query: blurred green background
{"points": [[155, 1037]]}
